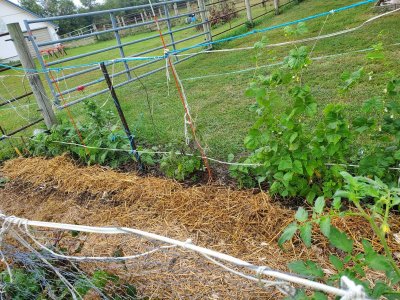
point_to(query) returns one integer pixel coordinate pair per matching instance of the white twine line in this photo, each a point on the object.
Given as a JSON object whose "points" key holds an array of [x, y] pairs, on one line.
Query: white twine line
{"points": [[187, 117], [93, 258], [351, 289], [281, 63], [12, 105], [17, 106], [262, 282], [186, 154], [166, 51]]}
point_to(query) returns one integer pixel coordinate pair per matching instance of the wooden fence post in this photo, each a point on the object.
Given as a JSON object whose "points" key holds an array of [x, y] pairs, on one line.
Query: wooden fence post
{"points": [[204, 20], [34, 79], [248, 11], [276, 5], [176, 9], [95, 30]]}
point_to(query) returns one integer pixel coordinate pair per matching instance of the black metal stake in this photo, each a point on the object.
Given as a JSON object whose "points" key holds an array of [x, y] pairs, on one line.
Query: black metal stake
{"points": [[121, 113], [4, 137]]}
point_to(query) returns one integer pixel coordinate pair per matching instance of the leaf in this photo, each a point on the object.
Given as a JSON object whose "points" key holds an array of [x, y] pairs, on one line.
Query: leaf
{"points": [[340, 240], [336, 262], [310, 196], [337, 203], [319, 296], [287, 177], [374, 260], [305, 234], [74, 233], [301, 214], [319, 205], [325, 226], [230, 157], [293, 137], [350, 79], [380, 289], [308, 268], [288, 233], [298, 167], [373, 104], [252, 140], [301, 28], [285, 164], [299, 295], [397, 155], [311, 109]]}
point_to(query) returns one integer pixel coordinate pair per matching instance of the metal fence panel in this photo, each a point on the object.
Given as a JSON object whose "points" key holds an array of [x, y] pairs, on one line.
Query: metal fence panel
{"points": [[138, 20]]}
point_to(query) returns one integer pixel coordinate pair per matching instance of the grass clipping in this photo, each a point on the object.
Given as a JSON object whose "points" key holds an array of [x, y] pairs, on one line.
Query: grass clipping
{"points": [[239, 223]]}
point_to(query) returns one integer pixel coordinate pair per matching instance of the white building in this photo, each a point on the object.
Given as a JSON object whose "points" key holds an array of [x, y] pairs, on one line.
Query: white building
{"points": [[12, 13]]}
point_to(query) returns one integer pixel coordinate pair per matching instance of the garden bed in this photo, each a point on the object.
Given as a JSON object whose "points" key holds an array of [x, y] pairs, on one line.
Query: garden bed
{"points": [[244, 224]]}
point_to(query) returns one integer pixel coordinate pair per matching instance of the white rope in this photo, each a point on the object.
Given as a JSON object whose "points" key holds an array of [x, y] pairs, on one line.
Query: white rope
{"points": [[351, 290], [355, 292], [93, 258]]}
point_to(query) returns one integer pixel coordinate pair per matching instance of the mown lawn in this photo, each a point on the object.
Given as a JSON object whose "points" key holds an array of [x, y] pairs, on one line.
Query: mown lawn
{"points": [[220, 109]]}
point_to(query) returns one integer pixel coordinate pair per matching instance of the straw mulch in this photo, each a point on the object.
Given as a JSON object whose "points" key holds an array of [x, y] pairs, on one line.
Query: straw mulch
{"points": [[240, 223]]}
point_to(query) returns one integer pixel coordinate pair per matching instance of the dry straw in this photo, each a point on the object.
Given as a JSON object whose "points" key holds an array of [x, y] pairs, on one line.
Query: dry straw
{"points": [[242, 223]]}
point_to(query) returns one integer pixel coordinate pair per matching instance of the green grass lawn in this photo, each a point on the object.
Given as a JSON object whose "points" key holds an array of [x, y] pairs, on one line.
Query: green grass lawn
{"points": [[218, 105]]}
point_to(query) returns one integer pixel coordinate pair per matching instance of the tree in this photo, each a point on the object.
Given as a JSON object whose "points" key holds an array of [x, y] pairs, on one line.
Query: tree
{"points": [[32, 6], [60, 8], [89, 4]]}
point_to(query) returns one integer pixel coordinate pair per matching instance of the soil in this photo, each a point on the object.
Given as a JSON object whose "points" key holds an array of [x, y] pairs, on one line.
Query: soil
{"points": [[243, 224]]}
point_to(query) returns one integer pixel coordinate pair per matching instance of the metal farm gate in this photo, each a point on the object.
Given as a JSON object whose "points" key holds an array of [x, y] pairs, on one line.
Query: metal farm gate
{"points": [[75, 76]]}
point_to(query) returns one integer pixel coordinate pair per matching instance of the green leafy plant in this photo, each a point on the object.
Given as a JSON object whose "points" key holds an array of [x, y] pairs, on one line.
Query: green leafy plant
{"points": [[100, 135], [179, 166], [108, 145], [301, 152], [28, 284], [288, 154], [371, 200]]}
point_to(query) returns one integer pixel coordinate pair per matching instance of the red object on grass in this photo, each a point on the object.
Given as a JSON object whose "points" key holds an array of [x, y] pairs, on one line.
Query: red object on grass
{"points": [[80, 88]]}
